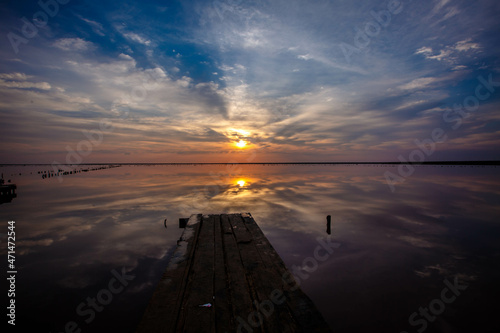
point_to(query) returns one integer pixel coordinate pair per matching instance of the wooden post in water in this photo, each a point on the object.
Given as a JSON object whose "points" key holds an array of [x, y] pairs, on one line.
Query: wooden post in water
{"points": [[329, 224]]}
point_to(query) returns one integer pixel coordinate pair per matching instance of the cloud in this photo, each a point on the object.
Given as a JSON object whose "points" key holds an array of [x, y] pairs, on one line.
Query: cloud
{"points": [[14, 76], [30, 246], [73, 44], [466, 45], [428, 53], [96, 26], [451, 54], [418, 83], [19, 81], [137, 38], [417, 242], [305, 57], [424, 50], [40, 242], [442, 4], [454, 11], [25, 85], [151, 110]]}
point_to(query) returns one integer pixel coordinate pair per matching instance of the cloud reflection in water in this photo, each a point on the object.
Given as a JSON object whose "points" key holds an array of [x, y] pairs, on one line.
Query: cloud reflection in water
{"points": [[396, 247]]}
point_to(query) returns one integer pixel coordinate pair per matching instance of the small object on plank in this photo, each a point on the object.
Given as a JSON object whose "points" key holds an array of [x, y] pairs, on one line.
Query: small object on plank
{"points": [[206, 305]]}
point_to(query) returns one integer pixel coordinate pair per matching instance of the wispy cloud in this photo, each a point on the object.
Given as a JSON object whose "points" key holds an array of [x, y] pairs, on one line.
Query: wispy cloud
{"points": [[137, 38], [451, 54], [96, 26], [73, 44], [418, 83], [466, 45], [20, 81]]}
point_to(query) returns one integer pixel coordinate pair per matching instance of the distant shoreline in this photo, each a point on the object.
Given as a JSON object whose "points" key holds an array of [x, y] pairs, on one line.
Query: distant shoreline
{"points": [[479, 163]]}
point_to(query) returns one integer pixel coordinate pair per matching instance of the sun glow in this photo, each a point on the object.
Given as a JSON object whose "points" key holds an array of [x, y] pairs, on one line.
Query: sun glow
{"points": [[241, 144], [241, 182]]}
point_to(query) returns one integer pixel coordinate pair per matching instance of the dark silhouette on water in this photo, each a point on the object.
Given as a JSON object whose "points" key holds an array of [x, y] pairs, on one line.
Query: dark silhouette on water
{"points": [[328, 224], [183, 222], [7, 191], [73, 170]]}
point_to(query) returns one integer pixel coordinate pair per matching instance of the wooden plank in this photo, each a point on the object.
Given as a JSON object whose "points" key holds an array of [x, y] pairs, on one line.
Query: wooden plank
{"points": [[241, 298], [273, 317], [302, 309], [243, 236], [274, 268], [195, 318], [224, 318]]}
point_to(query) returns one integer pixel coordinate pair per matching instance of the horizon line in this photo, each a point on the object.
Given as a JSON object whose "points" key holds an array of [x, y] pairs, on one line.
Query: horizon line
{"points": [[478, 162]]}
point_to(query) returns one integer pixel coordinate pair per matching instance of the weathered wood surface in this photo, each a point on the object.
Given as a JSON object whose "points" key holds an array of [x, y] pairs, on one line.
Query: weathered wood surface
{"points": [[227, 261]]}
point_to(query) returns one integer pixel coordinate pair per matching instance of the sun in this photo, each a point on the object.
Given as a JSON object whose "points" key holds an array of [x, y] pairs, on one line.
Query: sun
{"points": [[241, 182], [241, 144]]}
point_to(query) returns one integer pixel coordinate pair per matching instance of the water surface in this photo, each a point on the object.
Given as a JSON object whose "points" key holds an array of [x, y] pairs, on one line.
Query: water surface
{"points": [[395, 249]]}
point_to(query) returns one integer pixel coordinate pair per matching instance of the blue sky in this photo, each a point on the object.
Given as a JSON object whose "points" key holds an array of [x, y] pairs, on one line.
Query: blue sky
{"points": [[183, 81]]}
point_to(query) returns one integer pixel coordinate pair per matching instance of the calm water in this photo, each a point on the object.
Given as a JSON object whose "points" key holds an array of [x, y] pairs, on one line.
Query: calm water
{"points": [[396, 249]]}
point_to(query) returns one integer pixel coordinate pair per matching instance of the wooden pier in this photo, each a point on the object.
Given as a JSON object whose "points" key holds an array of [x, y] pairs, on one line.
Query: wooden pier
{"points": [[225, 276]]}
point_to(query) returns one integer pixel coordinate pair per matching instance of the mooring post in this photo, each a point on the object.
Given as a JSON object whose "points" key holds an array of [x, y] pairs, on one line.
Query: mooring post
{"points": [[183, 222], [328, 224]]}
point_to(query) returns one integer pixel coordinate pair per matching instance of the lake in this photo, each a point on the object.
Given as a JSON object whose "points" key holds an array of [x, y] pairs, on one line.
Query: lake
{"points": [[422, 258]]}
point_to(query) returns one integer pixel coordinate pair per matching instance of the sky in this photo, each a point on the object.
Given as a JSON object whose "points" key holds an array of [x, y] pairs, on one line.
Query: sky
{"points": [[249, 81]]}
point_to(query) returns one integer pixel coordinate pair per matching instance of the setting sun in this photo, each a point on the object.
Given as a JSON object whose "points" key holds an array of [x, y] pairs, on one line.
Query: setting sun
{"points": [[241, 182], [241, 144]]}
